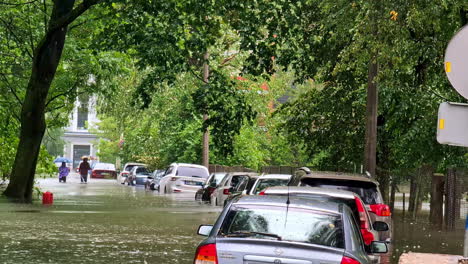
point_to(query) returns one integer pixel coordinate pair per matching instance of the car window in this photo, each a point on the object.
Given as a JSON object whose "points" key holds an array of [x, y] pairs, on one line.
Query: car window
{"points": [[129, 167], [265, 183], [192, 172], [366, 190], [355, 233], [298, 225], [169, 170], [237, 180]]}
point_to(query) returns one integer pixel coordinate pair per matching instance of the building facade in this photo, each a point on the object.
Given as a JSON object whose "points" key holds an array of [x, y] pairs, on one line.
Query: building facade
{"points": [[78, 136]]}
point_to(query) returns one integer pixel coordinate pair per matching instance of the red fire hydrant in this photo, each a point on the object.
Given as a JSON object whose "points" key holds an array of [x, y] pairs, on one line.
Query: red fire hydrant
{"points": [[47, 198]]}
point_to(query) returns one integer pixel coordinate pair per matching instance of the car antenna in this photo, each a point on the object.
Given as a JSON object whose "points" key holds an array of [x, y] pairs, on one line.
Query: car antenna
{"points": [[287, 209]]}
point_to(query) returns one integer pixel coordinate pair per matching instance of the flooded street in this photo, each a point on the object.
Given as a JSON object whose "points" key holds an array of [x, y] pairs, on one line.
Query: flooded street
{"points": [[105, 222], [102, 222]]}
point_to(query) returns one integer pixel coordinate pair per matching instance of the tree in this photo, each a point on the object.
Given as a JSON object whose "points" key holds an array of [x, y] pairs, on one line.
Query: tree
{"points": [[45, 60]]}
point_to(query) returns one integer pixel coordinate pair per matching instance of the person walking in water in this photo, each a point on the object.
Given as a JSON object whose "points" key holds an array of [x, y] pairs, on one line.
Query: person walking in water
{"points": [[84, 168], [63, 172]]}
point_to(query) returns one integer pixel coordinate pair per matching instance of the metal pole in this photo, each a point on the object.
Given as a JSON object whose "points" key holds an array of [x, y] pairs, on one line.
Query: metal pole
{"points": [[206, 133], [404, 203], [465, 247]]}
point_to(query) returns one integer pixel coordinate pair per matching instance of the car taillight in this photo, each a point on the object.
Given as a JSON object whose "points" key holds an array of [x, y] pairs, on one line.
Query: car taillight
{"points": [[261, 193], [362, 213], [226, 192], [367, 236], [206, 254], [94, 173], [381, 209], [174, 179], [347, 260]]}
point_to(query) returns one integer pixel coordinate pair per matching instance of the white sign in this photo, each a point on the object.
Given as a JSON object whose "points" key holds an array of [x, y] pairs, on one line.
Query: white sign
{"points": [[456, 62], [452, 124]]}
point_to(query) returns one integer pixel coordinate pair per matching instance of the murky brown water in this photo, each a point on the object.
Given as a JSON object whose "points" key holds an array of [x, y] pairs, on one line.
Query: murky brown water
{"points": [[102, 222], [418, 236], [105, 222]]}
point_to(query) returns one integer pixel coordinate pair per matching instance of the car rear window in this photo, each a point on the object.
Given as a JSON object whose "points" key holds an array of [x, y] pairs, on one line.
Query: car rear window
{"points": [[129, 167], [142, 170], [297, 225], [366, 190], [192, 172], [265, 183]]}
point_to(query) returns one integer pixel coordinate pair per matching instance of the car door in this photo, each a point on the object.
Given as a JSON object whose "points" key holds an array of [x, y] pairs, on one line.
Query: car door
{"points": [[165, 178]]}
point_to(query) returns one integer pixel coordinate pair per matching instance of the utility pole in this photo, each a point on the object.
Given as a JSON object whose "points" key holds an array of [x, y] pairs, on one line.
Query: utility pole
{"points": [[206, 133], [370, 152]]}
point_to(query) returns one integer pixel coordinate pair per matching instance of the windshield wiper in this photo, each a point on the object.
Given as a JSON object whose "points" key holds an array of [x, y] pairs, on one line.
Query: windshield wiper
{"points": [[251, 233]]}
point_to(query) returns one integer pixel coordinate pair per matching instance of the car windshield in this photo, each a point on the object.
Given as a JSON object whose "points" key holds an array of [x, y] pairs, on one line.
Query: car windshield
{"points": [[192, 172], [142, 171], [366, 190], [298, 225], [104, 166], [265, 183]]}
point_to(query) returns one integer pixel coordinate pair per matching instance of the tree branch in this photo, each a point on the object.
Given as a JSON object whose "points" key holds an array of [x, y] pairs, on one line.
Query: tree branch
{"points": [[18, 40], [18, 4], [74, 14], [11, 89], [62, 94]]}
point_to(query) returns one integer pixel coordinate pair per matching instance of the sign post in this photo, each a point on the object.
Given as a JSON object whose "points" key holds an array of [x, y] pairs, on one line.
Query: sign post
{"points": [[453, 118]]}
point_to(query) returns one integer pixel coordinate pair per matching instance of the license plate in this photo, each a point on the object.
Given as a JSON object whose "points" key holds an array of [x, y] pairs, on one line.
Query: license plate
{"points": [[105, 174], [193, 183]]}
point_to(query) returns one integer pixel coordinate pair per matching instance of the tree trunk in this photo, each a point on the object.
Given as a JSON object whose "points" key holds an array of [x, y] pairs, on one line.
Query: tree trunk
{"points": [[46, 59]]}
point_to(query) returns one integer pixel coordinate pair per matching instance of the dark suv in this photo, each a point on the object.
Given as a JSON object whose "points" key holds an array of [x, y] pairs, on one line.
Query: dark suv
{"points": [[367, 188]]}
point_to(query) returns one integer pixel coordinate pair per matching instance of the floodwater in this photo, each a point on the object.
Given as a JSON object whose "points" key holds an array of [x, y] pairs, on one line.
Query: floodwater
{"points": [[102, 222], [106, 222]]}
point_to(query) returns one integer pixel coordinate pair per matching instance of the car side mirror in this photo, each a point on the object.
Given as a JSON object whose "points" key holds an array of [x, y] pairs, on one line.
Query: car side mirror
{"points": [[204, 230], [377, 247], [380, 226]]}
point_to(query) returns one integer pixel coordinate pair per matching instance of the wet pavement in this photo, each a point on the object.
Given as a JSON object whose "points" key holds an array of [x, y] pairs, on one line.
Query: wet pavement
{"points": [[106, 222]]}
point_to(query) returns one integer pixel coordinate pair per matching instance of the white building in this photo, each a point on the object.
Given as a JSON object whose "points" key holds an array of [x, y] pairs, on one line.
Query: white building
{"points": [[79, 140]]}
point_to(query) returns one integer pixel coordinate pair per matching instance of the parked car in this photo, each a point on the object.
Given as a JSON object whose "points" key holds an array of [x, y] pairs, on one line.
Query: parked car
{"points": [[138, 175], [104, 170], [183, 177], [153, 180], [352, 200], [212, 182], [126, 170], [277, 229], [366, 187], [232, 183], [243, 188], [270, 180]]}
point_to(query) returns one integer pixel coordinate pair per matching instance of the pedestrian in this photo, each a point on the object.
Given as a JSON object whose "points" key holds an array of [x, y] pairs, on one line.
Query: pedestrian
{"points": [[84, 168], [63, 172]]}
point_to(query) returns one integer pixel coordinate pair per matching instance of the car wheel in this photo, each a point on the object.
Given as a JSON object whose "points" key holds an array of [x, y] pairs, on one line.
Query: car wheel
{"points": [[152, 187]]}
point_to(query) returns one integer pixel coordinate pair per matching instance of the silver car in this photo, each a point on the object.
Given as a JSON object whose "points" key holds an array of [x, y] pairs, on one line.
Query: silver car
{"points": [[233, 182], [279, 229], [182, 177]]}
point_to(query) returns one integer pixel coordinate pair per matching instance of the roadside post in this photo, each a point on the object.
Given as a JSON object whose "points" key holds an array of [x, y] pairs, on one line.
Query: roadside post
{"points": [[453, 117]]}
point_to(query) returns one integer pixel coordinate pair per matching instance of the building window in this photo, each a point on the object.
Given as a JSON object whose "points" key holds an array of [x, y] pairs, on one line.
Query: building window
{"points": [[83, 112]]}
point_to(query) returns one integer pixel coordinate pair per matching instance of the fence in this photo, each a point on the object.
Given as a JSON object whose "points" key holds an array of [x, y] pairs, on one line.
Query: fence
{"points": [[214, 168]]}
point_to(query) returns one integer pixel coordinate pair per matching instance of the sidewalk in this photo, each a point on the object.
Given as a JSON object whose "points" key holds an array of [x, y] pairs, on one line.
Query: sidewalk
{"points": [[419, 258]]}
